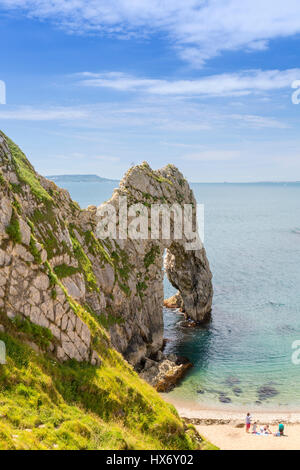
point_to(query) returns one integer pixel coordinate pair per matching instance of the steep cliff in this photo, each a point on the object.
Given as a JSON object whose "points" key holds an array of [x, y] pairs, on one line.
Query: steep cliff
{"points": [[67, 302], [52, 265]]}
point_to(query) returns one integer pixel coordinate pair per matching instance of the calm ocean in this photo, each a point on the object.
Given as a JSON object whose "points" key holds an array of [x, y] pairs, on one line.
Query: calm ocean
{"points": [[252, 238]]}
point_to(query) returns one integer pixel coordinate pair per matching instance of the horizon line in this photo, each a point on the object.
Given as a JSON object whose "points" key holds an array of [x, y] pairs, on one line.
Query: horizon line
{"points": [[191, 182]]}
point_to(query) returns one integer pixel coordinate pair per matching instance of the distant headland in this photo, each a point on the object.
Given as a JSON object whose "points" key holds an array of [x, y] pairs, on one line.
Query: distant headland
{"points": [[80, 179]]}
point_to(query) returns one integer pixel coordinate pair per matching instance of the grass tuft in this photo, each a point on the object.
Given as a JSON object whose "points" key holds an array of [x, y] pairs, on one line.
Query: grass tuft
{"points": [[13, 229]]}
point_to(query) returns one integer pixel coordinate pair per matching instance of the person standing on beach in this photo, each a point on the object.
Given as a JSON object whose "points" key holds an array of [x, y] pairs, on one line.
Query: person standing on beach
{"points": [[248, 422]]}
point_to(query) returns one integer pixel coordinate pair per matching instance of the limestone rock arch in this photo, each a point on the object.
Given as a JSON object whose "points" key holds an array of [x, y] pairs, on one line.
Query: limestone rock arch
{"points": [[141, 332]]}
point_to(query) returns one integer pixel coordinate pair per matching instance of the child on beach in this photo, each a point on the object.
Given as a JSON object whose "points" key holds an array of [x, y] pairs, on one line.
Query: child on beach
{"points": [[254, 428], [280, 430], [248, 422]]}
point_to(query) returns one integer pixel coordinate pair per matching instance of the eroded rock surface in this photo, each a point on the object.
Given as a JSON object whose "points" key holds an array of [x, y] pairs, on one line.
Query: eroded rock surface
{"points": [[164, 374], [174, 302], [141, 334], [51, 261]]}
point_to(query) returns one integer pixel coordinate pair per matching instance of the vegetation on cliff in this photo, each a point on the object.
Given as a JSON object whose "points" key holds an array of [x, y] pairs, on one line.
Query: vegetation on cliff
{"points": [[48, 405], [45, 402]]}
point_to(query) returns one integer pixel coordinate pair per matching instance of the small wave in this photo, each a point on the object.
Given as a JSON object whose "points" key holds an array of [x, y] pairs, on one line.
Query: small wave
{"points": [[296, 231], [275, 304]]}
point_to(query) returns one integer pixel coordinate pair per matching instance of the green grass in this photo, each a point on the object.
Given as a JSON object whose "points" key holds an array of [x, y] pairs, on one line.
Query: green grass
{"points": [[48, 405], [151, 256], [26, 173], [34, 250], [2, 180], [78, 406], [84, 264], [38, 334], [96, 247], [64, 270], [13, 229]]}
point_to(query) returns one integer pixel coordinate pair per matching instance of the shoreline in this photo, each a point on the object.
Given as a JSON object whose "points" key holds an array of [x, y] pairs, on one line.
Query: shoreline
{"points": [[199, 414], [225, 428]]}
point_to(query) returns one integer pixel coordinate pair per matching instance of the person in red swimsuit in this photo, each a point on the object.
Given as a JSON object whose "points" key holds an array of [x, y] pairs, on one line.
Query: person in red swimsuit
{"points": [[248, 422]]}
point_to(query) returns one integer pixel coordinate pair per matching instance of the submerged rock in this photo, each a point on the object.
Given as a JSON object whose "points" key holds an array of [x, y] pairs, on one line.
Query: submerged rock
{"points": [[231, 381], [237, 391], [224, 399], [267, 391]]}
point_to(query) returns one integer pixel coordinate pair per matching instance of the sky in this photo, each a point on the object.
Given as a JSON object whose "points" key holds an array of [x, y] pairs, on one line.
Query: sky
{"points": [[211, 86]]}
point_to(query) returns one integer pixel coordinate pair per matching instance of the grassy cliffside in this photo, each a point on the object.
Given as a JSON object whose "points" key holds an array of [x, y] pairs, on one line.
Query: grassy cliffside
{"points": [[48, 405], [45, 403]]}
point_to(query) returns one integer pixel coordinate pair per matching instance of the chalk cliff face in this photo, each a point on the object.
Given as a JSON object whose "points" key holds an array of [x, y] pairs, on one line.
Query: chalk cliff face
{"points": [[141, 334], [53, 267]]}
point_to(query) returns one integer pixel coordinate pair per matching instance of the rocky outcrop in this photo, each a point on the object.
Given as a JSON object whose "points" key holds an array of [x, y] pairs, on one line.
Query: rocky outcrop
{"points": [[164, 374], [174, 302], [53, 265], [141, 333], [189, 272]]}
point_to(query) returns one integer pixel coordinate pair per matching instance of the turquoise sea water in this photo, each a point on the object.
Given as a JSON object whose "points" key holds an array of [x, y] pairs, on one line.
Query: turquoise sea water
{"points": [[252, 238]]}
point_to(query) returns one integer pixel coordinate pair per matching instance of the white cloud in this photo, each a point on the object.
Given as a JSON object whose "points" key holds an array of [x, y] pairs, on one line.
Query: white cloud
{"points": [[235, 84], [213, 155], [83, 156], [251, 120], [149, 114], [29, 113], [199, 29], [118, 81]]}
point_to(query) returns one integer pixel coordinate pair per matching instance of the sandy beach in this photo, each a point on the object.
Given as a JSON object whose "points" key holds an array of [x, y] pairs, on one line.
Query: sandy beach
{"points": [[228, 437], [225, 427]]}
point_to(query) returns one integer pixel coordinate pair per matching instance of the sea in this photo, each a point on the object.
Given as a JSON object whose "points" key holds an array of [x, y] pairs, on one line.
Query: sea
{"points": [[248, 355]]}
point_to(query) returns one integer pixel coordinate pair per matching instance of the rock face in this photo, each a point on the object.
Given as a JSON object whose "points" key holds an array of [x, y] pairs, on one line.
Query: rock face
{"points": [[141, 334], [52, 263], [174, 302], [163, 375]]}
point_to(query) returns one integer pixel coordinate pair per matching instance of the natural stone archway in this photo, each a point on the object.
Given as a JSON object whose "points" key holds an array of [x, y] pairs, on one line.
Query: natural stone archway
{"points": [[141, 333]]}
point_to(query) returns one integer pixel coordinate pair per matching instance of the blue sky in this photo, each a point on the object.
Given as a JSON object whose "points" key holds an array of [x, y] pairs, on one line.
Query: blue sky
{"points": [[93, 87]]}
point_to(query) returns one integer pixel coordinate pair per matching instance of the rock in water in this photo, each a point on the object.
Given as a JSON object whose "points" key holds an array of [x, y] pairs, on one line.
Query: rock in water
{"points": [[267, 391], [224, 399], [174, 302], [164, 375], [51, 261], [237, 391]]}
